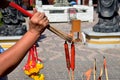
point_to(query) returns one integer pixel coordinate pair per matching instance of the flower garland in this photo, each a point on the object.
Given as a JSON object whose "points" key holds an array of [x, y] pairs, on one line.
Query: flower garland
{"points": [[34, 65]]}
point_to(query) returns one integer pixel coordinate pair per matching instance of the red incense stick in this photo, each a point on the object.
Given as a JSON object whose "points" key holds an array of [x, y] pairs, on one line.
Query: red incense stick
{"points": [[12, 4], [72, 59], [67, 58], [67, 55]]}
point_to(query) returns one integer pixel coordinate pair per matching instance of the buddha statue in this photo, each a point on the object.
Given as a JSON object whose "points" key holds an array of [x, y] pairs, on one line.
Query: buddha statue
{"points": [[108, 16]]}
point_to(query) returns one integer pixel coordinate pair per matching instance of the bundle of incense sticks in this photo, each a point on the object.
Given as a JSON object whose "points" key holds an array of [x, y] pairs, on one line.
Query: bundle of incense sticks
{"points": [[103, 68], [5, 3], [70, 62]]}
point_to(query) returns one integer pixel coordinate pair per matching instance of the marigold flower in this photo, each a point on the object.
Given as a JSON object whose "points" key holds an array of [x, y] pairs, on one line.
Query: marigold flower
{"points": [[33, 72], [26, 72]]}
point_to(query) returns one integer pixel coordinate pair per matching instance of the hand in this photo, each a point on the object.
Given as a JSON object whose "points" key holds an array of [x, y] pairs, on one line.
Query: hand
{"points": [[38, 22]]}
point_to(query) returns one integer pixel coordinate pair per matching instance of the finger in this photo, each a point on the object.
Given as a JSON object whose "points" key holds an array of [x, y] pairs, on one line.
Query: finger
{"points": [[36, 17], [34, 10], [44, 22], [41, 16]]}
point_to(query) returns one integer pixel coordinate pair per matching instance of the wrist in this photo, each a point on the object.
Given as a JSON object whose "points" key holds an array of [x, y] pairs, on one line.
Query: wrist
{"points": [[34, 33]]}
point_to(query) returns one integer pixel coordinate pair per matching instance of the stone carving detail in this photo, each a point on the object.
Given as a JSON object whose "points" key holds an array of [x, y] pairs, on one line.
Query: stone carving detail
{"points": [[61, 3], [108, 16], [12, 22]]}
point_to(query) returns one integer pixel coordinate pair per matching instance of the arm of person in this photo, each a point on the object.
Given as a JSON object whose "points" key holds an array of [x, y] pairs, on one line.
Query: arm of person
{"points": [[10, 59]]}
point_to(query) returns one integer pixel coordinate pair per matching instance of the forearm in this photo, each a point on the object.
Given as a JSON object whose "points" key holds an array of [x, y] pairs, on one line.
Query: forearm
{"points": [[13, 56]]}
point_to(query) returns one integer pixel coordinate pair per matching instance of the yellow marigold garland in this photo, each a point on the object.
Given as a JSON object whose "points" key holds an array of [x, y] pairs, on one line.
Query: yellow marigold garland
{"points": [[33, 67]]}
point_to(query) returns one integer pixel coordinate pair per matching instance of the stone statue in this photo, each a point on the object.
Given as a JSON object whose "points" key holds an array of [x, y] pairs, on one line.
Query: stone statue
{"points": [[108, 16], [61, 3], [12, 22]]}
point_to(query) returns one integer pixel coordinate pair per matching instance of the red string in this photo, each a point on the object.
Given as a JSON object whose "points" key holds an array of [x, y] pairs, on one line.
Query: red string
{"points": [[29, 55], [32, 58], [35, 50]]}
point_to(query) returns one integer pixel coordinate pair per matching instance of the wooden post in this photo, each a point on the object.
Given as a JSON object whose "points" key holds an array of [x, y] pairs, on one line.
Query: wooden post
{"points": [[76, 27]]}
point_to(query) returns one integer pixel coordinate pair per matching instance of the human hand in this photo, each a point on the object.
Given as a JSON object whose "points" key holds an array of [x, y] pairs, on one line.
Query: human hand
{"points": [[38, 22]]}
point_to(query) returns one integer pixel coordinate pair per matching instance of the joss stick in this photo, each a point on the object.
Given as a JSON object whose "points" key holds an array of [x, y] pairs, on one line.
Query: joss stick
{"points": [[105, 68], [101, 72], [106, 72], [72, 74], [69, 74], [72, 59], [94, 71], [67, 58], [82, 76]]}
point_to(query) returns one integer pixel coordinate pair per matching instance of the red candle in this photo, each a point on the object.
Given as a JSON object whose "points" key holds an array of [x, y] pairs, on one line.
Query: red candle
{"points": [[72, 56], [67, 55]]}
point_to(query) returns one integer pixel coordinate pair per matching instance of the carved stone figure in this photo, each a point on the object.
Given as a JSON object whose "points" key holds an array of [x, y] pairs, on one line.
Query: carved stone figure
{"points": [[61, 3], [12, 23], [108, 16]]}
